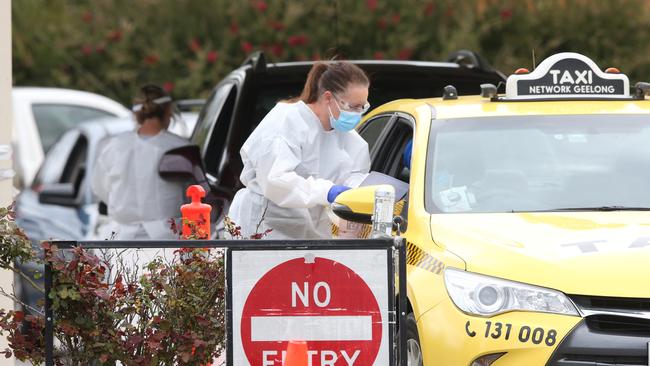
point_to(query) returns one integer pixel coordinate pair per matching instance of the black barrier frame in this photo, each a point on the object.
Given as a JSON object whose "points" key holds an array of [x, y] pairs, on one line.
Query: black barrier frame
{"points": [[397, 244]]}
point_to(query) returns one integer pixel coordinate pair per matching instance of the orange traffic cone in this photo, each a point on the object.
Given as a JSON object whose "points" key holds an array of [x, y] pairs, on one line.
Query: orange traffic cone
{"points": [[296, 354]]}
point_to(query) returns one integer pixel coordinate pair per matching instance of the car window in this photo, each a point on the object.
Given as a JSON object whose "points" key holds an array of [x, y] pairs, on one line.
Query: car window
{"points": [[75, 168], [207, 117], [221, 124], [538, 163], [56, 159], [371, 130], [52, 120], [257, 100], [269, 95], [388, 158]]}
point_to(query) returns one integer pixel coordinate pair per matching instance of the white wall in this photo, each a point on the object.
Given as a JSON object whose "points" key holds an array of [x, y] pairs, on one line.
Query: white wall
{"points": [[5, 137], [5, 98]]}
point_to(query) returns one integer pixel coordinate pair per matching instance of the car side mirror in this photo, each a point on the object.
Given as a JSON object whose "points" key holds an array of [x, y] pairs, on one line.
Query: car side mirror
{"points": [[183, 162], [62, 194], [356, 205]]}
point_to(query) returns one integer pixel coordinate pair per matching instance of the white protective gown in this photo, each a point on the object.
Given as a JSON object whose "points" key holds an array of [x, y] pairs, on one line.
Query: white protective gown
{"points": [[140, 203], [290, 164]]}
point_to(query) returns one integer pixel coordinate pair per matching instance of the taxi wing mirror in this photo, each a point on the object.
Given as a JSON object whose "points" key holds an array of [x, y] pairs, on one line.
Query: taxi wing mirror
{"points": [[356, 205]]}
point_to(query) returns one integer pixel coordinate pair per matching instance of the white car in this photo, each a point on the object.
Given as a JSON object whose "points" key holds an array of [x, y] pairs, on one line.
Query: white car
{"points": [[42, 115], [189, 110]]}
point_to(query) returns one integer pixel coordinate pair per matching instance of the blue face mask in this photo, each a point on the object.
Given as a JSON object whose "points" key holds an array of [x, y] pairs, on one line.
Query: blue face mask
{"points": [[347, 120]]}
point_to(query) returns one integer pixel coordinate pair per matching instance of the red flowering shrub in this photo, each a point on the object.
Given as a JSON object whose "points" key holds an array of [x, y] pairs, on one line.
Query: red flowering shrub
{"points": [[182, 33], [212, 56], [168, 86], [247, 47], [297, 40], [151, 59], [171, 314]]}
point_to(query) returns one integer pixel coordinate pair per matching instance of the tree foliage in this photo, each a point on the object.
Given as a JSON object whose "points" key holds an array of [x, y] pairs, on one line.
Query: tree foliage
{"points": [[111, 47]]}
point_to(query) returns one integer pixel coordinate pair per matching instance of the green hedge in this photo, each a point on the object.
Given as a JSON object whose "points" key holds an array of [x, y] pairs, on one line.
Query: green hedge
{"points": [[111, 47]]}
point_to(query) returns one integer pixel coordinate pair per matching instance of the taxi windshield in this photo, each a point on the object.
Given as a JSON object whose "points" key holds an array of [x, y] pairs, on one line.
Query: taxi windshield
{"points": [[538, 163]]}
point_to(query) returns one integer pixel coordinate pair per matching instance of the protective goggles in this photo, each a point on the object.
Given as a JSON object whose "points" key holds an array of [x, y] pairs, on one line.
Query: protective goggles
{"points": [[347, 107]]}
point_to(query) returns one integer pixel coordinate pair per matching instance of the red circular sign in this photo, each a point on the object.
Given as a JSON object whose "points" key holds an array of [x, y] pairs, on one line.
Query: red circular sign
{"points": [[323, 303]]}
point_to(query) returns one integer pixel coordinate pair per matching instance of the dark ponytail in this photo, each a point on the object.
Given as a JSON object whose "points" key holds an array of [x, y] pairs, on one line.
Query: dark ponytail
{"points": [[310, 91], [147, 107], [334, 77]]}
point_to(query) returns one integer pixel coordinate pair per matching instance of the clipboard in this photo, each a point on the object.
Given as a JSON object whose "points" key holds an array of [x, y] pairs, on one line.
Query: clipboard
{"points": [[376, 178]]}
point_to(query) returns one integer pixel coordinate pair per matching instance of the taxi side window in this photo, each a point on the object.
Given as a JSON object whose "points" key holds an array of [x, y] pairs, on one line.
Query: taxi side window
{"points": [[371, 130], [389, 157]]}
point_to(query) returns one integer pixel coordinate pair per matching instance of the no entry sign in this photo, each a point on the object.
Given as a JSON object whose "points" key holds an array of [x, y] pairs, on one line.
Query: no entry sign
{"points": [[335, 300]]}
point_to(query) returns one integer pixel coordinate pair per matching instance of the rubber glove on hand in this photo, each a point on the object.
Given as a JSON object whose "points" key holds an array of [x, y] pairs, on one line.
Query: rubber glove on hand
{"points": [[335, 191]]}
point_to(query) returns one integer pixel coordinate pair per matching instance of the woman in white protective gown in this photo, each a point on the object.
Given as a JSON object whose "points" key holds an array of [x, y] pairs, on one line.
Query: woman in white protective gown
{"points": [[303, 154]]}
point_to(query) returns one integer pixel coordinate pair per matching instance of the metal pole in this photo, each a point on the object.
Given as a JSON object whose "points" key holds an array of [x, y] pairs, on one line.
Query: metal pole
{"points": [[403, 305], [49, 321]]}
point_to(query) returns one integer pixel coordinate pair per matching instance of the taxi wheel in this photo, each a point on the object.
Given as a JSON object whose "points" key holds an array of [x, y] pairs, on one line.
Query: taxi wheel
{"points": [[413, 349]]}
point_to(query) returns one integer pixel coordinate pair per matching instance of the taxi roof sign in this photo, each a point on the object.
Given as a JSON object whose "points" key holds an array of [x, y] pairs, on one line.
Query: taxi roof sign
{"points": [[567, 75]]}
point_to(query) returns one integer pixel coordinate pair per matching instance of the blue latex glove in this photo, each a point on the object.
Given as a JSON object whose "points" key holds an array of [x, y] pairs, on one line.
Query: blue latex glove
{"points": [[406, 155], [335, 191]]}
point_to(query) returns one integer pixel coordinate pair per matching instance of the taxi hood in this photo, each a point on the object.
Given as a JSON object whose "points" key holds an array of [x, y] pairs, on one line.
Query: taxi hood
{"points": [[578, 253]]}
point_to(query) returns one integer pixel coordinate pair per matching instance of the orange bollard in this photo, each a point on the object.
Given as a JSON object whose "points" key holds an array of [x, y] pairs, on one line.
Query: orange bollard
{"points": [[296, 354], [196, 215]]}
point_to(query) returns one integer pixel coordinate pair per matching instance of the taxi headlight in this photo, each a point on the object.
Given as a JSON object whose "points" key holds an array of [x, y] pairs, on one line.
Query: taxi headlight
{"points": [[486, 296]]}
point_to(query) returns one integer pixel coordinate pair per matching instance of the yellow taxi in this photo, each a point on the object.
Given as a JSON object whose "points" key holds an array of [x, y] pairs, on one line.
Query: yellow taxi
{"points": [[527, 218]]}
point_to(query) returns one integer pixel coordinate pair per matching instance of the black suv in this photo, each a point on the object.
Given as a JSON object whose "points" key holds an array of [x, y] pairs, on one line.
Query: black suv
{"points": [[242, 99]]}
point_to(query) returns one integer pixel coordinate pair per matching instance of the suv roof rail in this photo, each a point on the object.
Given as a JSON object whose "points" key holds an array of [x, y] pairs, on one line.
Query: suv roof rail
{"points": [[257, 60], [471, 60]]}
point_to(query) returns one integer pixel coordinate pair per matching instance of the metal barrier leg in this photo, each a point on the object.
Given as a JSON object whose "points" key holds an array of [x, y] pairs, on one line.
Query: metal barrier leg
{"points": [[403, 305], [49, 321]]}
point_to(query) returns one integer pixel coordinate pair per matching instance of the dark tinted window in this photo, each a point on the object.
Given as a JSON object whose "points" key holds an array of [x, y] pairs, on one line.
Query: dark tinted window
{"points": [[257, 101], [208, 116], [75, 168], [53, 120], [372, 129], [269, 96], [222, 121], [389, 158]]}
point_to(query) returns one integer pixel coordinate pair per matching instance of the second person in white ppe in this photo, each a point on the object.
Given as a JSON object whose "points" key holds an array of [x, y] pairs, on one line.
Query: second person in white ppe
{"points": [[303, 154], [125, 177]]}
